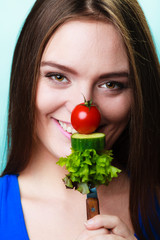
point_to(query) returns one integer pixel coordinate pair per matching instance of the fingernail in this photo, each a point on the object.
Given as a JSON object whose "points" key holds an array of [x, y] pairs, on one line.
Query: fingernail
{"points": [[89, 222]]}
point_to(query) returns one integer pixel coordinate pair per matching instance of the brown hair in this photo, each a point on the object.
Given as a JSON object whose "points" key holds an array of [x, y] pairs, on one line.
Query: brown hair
{"points": [[138, 145]]}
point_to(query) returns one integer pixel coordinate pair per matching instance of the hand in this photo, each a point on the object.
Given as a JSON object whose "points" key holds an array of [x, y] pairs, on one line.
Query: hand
{"points": [[106, 227]]}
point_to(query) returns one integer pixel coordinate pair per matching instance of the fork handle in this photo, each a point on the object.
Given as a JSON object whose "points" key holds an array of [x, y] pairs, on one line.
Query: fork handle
{"points": [[92, 207]]}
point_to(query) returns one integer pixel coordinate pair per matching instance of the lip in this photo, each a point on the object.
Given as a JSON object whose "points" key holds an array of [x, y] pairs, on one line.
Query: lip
{"points": [[66, 134]]}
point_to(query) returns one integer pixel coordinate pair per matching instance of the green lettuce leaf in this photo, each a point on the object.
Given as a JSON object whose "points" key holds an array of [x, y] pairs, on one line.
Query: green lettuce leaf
{"points": [[88, 169]]}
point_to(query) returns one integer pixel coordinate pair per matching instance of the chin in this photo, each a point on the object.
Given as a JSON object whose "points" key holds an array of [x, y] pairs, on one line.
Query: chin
{"points": [[62, 153]]}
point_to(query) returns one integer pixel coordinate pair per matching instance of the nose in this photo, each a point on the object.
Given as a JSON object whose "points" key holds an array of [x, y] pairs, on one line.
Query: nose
{"points": [[79, 95]]}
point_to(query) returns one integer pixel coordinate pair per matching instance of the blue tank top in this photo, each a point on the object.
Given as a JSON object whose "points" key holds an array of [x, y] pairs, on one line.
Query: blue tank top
{"points": [[12, 223]]}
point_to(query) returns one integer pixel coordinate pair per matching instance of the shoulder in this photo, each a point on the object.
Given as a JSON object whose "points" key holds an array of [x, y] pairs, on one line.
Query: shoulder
{"points": [[8, 207], [6, 181], [3, 183], [7, 187]]}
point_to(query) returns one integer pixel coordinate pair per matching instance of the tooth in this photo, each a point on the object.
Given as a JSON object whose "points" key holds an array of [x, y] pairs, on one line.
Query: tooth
{"points": [[60, 123], [69, 129], [73, 130], [64, 127]]}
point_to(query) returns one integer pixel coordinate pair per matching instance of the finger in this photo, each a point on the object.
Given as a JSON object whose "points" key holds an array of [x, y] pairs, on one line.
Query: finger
{"points": [[89, 234], [107, 237], [100, 231], [113, 223]]}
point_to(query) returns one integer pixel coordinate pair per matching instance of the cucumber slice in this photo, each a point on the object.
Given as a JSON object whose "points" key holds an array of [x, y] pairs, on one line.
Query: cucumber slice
{"points": [[80, 142]]}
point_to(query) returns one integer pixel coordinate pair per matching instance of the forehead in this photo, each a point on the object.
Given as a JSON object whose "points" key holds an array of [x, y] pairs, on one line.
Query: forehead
{"points": [[84, 28], [78, 39]]}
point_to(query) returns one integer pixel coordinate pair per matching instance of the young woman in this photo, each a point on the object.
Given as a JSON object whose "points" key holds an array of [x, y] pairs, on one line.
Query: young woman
{"points": [[103, 50]]}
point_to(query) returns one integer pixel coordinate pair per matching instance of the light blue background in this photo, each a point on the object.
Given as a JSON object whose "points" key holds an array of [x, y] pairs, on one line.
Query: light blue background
{"points": [[12, 15]]}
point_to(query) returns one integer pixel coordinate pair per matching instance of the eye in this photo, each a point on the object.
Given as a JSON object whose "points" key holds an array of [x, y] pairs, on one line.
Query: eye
{"points": [[113, 85], [57, 77]]}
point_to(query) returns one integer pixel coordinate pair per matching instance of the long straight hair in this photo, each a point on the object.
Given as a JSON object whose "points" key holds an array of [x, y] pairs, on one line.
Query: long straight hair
{"points": [[137, 149]]}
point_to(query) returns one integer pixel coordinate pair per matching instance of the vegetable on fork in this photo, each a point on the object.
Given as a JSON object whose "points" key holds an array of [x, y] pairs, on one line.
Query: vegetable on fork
{"points": [[85, 117], [89, 164]]}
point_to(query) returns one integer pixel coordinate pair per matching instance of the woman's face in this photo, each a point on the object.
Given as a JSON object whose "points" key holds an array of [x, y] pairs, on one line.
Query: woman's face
{"points": [[82, 58]]}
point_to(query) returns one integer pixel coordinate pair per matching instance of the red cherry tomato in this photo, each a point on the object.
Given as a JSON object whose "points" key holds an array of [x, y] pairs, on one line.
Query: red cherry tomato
{"points": [[85, 118]]}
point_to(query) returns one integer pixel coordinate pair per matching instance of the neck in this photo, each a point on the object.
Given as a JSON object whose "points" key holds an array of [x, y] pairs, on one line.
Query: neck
{"points": [[43, 174]]}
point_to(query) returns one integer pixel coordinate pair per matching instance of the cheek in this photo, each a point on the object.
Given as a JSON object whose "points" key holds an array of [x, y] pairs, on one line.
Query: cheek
{"points": [[45, 98], [42, 101], [117, 110], [121, 113]]}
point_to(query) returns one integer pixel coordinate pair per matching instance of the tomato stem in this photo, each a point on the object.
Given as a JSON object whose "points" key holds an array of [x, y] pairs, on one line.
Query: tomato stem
{"points": [[87, 103]]}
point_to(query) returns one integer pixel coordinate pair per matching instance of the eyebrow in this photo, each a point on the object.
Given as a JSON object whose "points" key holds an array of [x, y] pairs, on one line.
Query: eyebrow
{"points": [[115, 74], [118, 74], [59, 66]]}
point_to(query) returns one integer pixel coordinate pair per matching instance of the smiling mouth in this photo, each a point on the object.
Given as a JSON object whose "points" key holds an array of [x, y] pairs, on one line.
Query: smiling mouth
{"points": [[67, 127]]}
